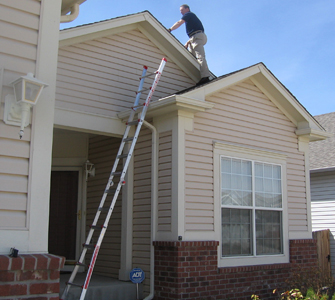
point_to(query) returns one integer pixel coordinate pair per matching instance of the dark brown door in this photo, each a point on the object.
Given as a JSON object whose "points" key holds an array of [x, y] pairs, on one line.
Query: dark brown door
{"points": [[63, 213]]}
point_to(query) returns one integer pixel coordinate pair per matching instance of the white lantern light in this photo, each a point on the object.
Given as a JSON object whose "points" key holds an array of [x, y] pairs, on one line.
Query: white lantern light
{"points": [[27, 90]]}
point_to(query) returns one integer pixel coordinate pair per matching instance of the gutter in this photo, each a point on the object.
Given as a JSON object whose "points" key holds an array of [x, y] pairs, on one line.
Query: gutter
{"points": [[74, 12], [154, 193]]}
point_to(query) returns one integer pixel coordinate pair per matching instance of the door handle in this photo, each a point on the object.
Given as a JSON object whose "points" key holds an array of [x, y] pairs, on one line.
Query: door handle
{"points": [[79, 215]]}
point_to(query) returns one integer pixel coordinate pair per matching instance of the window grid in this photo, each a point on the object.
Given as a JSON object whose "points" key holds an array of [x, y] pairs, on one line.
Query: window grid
{"points": [[240, 192]]}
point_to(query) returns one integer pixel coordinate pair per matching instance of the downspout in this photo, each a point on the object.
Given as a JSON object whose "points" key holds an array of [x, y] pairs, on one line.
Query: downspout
{"points": [[154, 192], [74, 12]]}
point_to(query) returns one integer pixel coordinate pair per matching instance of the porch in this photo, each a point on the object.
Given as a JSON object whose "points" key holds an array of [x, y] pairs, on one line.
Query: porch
{"points": [[100, 288]]}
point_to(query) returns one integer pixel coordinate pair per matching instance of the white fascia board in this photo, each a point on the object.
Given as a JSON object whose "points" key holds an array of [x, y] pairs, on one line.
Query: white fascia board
{"points": [[313, 134], [88, 122], [299, 109], [87, 32], [213, 87]]}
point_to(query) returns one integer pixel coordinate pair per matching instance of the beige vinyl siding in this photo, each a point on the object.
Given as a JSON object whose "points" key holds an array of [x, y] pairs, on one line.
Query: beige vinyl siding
{"points": [[19, 22], [142, 204], [164, 181], [245, 116], [101, 76], [102, 153]]}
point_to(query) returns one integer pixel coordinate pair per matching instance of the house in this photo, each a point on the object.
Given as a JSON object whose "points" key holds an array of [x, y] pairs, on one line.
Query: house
{"points": [[322, 172], [29, 38], [216, 203]]}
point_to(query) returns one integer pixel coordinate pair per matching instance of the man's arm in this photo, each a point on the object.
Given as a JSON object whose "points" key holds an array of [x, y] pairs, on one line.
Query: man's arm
{"points": [[176, 25]]}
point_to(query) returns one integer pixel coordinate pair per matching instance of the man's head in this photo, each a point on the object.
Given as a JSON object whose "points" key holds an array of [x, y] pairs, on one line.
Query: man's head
{"points": [[184, 9]]}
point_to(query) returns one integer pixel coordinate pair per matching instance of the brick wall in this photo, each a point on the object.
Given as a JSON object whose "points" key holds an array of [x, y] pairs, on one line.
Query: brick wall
{"points": [[30, 277], [188, 270]]}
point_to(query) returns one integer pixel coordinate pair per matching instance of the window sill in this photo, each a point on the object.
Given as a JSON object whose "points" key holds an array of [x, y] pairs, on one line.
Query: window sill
{"points": [[251, 261]]}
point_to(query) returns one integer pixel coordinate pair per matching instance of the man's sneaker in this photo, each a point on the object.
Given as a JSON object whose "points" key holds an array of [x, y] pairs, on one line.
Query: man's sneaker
{"points": [[203, 80]]}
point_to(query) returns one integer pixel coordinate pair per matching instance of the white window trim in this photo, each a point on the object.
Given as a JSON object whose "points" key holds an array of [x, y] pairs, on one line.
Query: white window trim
{"points": [[257, 154]]}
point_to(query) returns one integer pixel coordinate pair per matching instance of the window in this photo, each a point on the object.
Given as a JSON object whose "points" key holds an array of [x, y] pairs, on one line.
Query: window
{"points": [[251, 208]]}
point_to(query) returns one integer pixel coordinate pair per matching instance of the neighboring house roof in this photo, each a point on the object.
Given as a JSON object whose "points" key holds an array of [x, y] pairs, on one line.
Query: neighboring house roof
{"points": [[322, 153], [148, 25]]}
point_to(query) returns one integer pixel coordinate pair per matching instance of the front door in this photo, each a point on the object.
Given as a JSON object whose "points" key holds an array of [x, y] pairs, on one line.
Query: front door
{"points": [[63, 213]]}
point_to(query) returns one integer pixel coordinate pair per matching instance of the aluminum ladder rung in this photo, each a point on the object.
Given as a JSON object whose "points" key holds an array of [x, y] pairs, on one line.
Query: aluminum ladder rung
{"points": [[137, 106], [88, 244], [148, 75], [130, 139], [131, 123], [143, 90], [75, 284], [110, 191], [103, 209], [96, 227], [81, 264]]}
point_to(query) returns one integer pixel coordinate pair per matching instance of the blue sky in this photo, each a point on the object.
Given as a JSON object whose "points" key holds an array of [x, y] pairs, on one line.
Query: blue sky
{"points": [[295, 39]]}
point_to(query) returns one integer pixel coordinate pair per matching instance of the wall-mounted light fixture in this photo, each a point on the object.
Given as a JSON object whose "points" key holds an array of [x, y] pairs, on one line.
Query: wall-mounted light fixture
{"points": [[27, 90], [89, 169]]}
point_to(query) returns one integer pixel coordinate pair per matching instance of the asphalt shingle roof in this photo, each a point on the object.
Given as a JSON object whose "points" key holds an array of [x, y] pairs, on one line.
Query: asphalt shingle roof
{"points": [[322, 153]]}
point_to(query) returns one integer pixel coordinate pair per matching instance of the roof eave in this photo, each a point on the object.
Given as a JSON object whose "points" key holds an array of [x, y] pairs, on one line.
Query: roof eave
{"points": [[170, 104], [274, 90]]}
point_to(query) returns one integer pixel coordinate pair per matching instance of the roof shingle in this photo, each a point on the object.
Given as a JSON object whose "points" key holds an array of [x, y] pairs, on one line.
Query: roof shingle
{"points": [[322, 153]]}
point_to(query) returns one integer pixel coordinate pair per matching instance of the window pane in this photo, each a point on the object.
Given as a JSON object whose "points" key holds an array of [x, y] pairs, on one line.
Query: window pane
{"points": [[236, 182], [247, 199], [268, 185], [226, 165], [259, 184], [236, 166], [238, 177], [267, 171], [226, 181], [276, 172], [259, 170], [236, 232], [237, 198], [246, 167], [259, 198], [226, 197], [268, 232]]}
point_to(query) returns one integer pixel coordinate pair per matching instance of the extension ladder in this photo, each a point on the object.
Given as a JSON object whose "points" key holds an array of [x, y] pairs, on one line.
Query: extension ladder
{"points": [[120, 155]]}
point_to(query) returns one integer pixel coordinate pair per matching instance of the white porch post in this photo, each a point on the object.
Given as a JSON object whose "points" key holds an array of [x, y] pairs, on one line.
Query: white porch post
{"points": [[42, 128]]}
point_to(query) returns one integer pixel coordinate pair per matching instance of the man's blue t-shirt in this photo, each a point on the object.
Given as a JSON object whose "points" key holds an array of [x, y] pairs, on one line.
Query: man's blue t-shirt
{"points": [[192, 23]]}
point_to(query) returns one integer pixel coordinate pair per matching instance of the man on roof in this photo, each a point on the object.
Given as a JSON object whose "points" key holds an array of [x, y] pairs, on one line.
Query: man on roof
{"points": [[197, 39]]}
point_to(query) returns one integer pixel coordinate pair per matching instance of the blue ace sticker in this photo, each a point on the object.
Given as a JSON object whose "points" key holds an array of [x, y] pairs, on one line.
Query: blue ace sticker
{"points": [[136, 275]]}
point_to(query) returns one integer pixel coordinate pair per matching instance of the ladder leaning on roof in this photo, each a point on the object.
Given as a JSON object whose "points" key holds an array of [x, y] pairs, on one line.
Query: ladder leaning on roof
{"points": [[108, 190]]}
